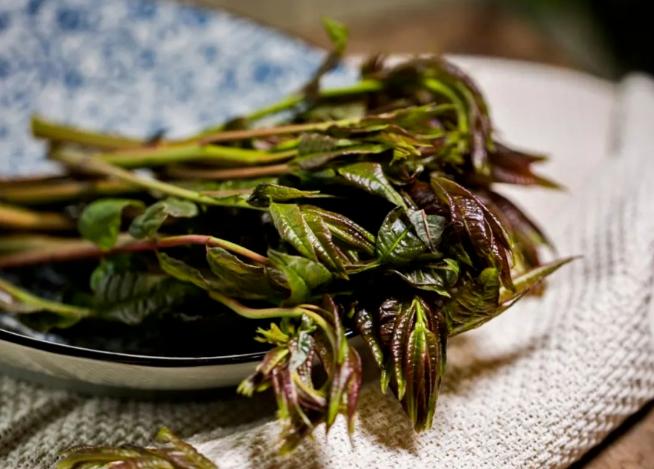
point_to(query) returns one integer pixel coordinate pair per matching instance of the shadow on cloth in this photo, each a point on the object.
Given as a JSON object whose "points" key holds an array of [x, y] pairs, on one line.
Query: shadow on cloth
{"points": [[468, 363]]}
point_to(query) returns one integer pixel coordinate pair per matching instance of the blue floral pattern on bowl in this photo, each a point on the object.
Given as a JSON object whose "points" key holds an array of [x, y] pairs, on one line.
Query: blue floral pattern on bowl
{"points": [[135, 67]]}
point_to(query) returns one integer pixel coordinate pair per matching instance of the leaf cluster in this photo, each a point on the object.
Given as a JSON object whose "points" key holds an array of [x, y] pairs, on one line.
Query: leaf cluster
{"points": [[371, 208]]}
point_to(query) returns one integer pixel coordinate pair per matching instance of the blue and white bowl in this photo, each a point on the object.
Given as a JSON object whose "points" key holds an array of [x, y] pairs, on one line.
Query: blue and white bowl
{"points": [[136, 67]]}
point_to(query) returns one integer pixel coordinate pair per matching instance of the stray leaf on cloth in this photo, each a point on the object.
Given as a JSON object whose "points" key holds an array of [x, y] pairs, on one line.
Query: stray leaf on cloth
{"points": [[171, 452]]}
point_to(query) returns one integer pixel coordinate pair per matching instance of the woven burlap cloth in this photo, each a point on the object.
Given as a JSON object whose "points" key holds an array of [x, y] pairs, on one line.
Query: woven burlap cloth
{"points": [[537, 387]]}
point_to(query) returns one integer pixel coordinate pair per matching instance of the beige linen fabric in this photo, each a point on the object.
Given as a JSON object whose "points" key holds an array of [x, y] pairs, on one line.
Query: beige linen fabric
{"points": [[535, 388]]}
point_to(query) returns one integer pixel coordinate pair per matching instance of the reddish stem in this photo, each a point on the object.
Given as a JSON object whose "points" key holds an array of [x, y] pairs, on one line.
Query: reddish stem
{"points": [[87, 250]]}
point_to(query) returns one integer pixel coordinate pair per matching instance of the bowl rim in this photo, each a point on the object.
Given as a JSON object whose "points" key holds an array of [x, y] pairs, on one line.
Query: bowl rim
{"points": [[157, 361]]}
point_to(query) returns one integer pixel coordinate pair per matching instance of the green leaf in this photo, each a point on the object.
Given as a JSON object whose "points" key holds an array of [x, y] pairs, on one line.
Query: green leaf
{"points": [[475, 302], [314, 143], [345, 230], [130, 297], [312, 161], [404, 147], [273, 335], [100, 220], [337, 33], [429, 228], [148, 223], [396, 241], [293, 228], [312, 232], [112, 265], [182, 271], [438, 278], [302, 275], [371, 178], [479, 300], [240, 279], [264, 194]]}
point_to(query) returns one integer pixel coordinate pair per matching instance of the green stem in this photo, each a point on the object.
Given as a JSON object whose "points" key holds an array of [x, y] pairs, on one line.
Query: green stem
{"points": [[255, 313], [94, 165], [42, 128], [46, 192], [30, 242], [229, 135], [210, 154], [19, 218], [289, 102], [229, 173], [269, 313], [33, 304], [438, 87]]}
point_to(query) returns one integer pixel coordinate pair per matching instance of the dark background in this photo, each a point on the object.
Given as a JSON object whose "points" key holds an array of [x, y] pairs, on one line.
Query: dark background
{"points": [[604, 37]]}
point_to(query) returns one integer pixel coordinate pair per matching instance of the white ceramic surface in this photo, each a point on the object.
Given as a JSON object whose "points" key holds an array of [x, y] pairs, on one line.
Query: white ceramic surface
{"points": [[108, 375]]}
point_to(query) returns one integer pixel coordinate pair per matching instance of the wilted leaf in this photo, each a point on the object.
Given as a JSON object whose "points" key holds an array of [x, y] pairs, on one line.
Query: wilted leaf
{"points": [[240, 279], [100, 220], [182, 271]]}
